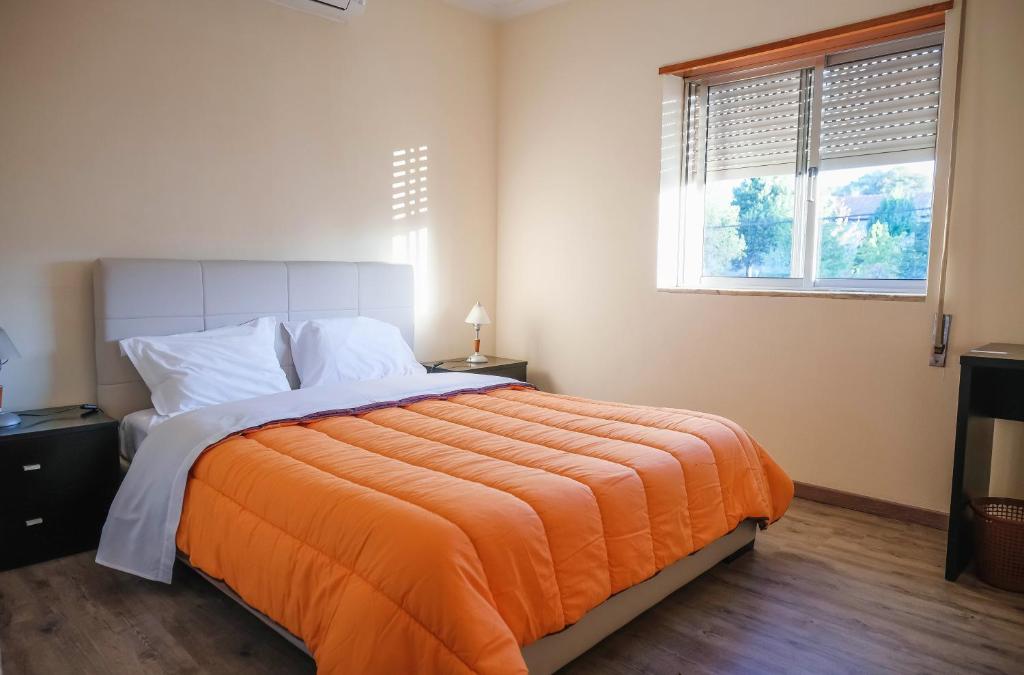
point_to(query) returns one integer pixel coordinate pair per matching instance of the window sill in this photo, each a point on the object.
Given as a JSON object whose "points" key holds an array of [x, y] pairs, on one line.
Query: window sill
{"points": [[835, 295]]}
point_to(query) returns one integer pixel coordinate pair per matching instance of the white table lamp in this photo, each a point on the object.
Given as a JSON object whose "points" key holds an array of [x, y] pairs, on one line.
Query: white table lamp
{"points": [[478, 317], [7, 352]]}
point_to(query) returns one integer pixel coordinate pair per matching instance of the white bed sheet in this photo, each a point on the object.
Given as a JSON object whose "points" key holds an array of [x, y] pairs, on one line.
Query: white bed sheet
{"points": [[134, 429], [139, 534]]}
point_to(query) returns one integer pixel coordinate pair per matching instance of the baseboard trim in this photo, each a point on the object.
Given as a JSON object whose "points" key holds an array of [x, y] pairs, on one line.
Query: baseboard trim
{"points": [[877, 507]]}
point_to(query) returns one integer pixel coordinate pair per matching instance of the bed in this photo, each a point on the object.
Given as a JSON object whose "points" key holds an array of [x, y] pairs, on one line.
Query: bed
{"points": [[438, 523]]}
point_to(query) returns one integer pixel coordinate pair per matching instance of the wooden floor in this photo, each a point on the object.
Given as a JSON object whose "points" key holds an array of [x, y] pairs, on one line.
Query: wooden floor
{"points": [[825, 591]]}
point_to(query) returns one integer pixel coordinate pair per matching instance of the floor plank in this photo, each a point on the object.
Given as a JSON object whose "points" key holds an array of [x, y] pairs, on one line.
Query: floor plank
{"points": [[825, 591]]}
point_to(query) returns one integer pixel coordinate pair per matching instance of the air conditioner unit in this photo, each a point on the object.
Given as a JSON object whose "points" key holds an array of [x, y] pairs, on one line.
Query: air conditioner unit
{"points": [[335, 10]]}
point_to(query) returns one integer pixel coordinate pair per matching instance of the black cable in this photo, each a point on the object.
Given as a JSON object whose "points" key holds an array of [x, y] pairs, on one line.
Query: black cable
{"points": [[30, 425], [331, 4], [90, 408], [47, 414]]}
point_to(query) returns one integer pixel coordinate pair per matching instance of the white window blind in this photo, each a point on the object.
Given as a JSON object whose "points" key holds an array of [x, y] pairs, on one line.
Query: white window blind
{"points": [[754, 125], [885, 104]]}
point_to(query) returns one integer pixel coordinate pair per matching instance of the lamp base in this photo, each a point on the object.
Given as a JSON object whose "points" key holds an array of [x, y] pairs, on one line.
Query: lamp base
{"points": [[9, 420], [477, 357]]}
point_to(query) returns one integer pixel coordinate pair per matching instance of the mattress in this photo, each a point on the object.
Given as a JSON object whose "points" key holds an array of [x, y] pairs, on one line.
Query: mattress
{"points": [[135, 427]]}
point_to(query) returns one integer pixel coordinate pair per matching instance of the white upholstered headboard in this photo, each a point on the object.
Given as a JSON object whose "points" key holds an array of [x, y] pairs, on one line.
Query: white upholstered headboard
{"points": [[159, 297]]}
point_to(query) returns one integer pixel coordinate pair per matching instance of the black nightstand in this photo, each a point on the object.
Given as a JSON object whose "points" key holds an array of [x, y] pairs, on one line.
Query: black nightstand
{"points": [[58, 474], [495, 365]]}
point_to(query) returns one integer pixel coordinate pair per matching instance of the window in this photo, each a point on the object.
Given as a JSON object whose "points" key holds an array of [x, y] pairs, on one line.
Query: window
{"points": [[816, 173]]}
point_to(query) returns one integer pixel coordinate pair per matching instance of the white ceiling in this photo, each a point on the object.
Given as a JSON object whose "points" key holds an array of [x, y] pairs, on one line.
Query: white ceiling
{"points": [[504, 9]]}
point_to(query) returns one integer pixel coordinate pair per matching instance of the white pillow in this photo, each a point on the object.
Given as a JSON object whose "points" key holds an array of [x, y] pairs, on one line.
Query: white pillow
{"points": [[195, 370], [350, 349]]}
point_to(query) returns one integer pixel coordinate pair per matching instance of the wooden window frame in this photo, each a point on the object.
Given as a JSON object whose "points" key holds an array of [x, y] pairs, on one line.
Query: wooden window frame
{"points": [[861, 34], [676, 246]]}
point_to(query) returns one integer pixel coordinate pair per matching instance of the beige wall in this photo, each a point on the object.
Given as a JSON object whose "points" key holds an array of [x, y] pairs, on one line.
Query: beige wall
{"points": [[838, 390], [232, 129], [241, 129]]}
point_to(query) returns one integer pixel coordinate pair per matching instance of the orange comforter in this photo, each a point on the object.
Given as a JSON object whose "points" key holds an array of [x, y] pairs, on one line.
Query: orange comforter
{"points": [[441, 535]]}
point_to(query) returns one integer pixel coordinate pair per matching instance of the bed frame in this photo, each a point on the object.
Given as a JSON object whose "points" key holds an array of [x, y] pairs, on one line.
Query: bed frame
{"points": [[554, 651], [136, 297]]}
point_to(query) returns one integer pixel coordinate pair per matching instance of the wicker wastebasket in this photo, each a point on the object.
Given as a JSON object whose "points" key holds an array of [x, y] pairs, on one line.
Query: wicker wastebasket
{"points": [[999, 541]]}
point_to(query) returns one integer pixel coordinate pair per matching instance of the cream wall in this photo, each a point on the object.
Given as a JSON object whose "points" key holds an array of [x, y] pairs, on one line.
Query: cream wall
{"points": [[232, 129], [242, 129], [838, 390]]}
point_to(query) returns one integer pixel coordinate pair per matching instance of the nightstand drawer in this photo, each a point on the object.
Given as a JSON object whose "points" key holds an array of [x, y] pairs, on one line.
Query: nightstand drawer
{"points": [[57, 471], [32, 535]]}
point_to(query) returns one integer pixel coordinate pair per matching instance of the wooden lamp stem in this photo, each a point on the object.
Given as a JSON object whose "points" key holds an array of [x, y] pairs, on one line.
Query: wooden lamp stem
{"points": [[477, 357]]}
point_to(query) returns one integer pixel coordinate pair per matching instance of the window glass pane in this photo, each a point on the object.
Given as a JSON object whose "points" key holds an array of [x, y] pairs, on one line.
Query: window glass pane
{"points": [[875, 222], [748, 227], [753, 145]]}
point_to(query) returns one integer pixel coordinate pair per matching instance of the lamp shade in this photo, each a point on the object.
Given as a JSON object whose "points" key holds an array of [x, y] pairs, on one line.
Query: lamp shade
{"points": [[478, 316], [7, 348]]}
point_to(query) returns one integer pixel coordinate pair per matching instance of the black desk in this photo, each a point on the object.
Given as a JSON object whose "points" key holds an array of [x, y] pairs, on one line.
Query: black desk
{"points": [[991, 388]]}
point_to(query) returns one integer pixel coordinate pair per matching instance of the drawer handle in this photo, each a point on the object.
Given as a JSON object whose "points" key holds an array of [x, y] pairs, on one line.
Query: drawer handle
{"points": [[33, 522], [32, 467]]}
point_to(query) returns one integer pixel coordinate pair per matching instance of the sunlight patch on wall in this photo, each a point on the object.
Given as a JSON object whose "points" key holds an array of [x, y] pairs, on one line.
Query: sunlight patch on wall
{"points": [[413, 248], [409, 177]]}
